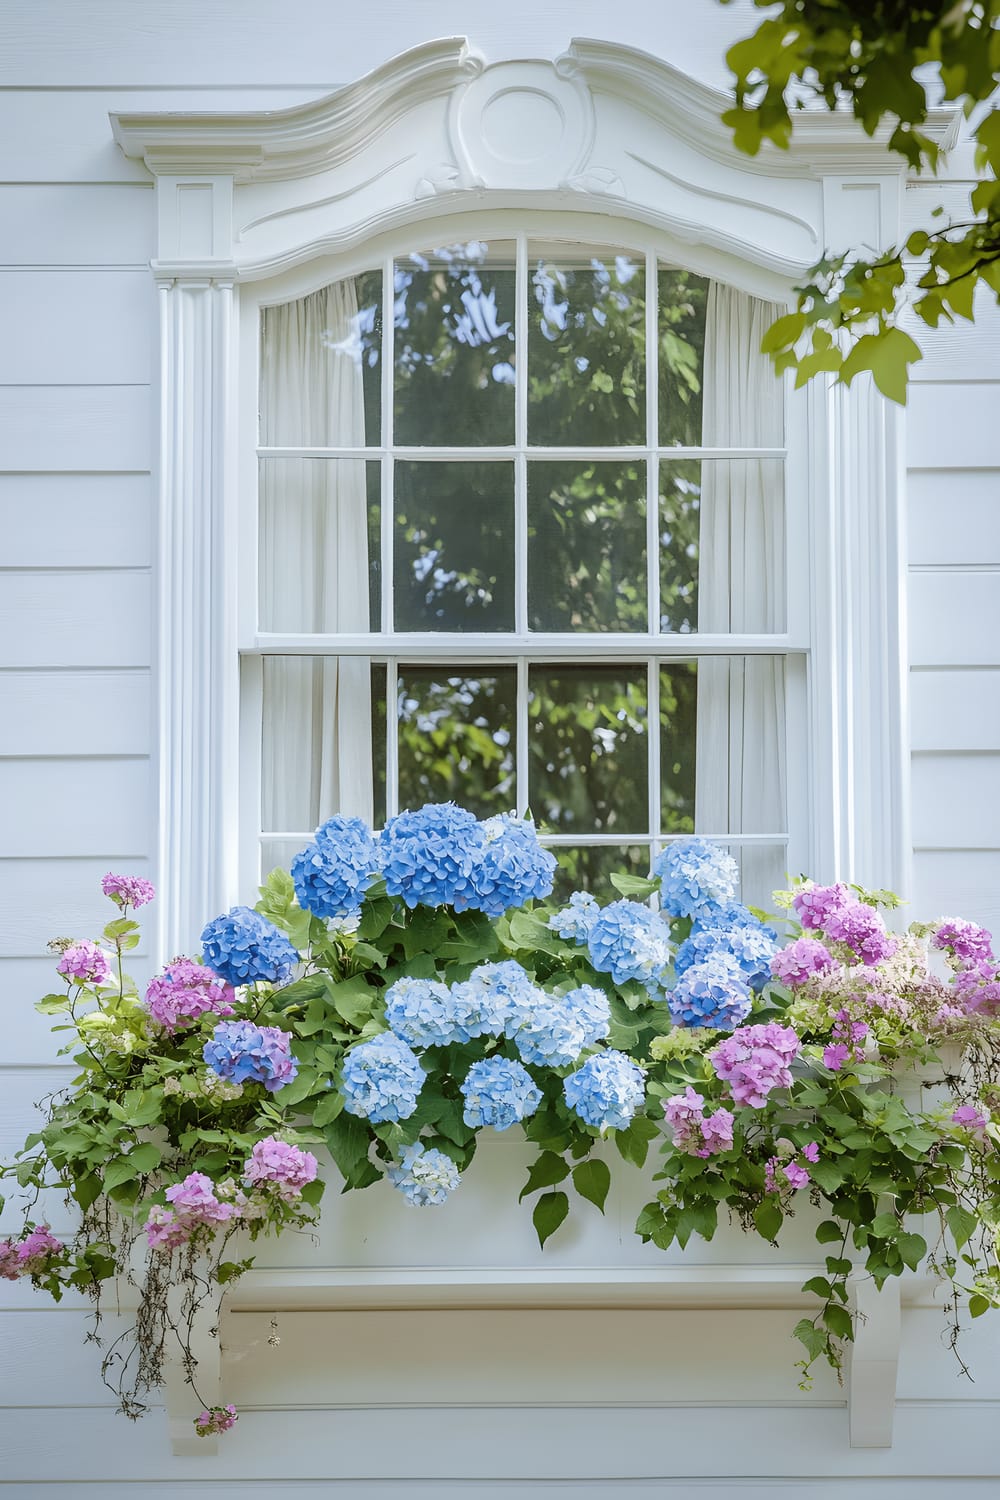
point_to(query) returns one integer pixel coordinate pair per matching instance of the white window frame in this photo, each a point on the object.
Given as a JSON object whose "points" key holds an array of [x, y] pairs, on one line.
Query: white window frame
{"points": [[296, 197]]}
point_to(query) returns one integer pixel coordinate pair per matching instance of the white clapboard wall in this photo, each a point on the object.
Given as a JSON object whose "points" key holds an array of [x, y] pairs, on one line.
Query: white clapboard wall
{"points": [[377, 1403]]}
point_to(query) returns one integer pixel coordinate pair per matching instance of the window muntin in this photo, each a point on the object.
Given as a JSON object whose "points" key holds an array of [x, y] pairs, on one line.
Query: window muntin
{"points": [[566, 539]]}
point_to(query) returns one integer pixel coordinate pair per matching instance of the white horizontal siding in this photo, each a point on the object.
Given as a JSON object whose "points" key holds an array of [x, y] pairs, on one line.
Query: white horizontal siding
{"points": [[46, 898], [63, 805], [954, 351], [957, 883], [955, 710], [955, 801], [82, 713], [29, 1041], [104, 428], [76, 520], [66, 224], [953, 425], [668, 1488], [954, 515], [955, 617], [76, 328], [62, 620]]}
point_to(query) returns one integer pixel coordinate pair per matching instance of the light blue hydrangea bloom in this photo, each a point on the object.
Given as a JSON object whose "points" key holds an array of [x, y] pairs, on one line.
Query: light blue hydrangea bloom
{"points": [[245, 948], [628, 941], [752, 945], [695, 874], [574, 921], [429, 857], [332, 874], [594, 1009], [606, 1091], [424, 1175], [513, 866], [420, 1011], [381, 1079], [728, 914], [712, 992], [563, 1026], [493, 999], [499, 1092]]}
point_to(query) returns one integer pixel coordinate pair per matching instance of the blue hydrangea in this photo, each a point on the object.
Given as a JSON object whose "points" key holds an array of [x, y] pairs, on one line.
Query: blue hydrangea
{"points": [[420, 1011], [728, 914], [574, 921], [606, 1091], [513, 867], [429, 857], [381, 1079], [242, 1052], [499, 1092], [424, 1175], [695, 874], [332, 874], [494, 999], [753, 947], [563, 1026], [628, 941], [245, 948], [712, 992]]}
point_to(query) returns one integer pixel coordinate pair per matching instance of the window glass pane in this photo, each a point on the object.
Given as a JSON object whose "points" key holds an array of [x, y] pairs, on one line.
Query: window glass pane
{"points": [[457, 736], [683, 297], [320, 380], [587, 546], [454, 346], [722, 545], [588, 748], [322, 717], [319, 564], [589, 868], [586, 348], [454, 546], [678, 729]]}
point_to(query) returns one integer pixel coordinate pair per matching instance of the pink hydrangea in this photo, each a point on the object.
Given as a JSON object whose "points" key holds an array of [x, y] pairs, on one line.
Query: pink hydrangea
{"points": [[863, 930], [970, 1118], [128, 890], [278, 1162], [31, 1255], [755, 1060], [692, 1132], [797, 1176], [835, 1056], [816, 905], [85, 962], [799, 961], [185, 991], [976, 986], [194, 1206], [215, 1419], [963, 940]]}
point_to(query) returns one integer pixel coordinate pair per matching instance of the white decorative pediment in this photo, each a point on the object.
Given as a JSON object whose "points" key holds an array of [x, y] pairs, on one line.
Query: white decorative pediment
{"points": [[437, 130]]}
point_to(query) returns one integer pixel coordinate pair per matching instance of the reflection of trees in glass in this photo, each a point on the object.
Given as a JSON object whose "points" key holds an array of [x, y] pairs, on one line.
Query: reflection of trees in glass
{"points": [[587, 744], [678, 731], [589, 869], [680, 521], [456, 734], [682, 301], [587, 546]]}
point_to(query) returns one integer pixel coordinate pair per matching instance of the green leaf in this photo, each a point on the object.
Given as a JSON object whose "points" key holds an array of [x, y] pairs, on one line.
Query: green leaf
{"points": [[783, 332], [812, 1337], [828, 1232], [119, 1171], [592, 1179], [819, 1286], [353, 1000], [313, 1192], [347, 1141], [978, 1305], [328, 1108], [549, 1212], [145, 1158], [839, 1321], [828, 1173], [633, 1143], [87, 1189], [887, 354], [768, 1219], [635, 887], [962, 1224], [546, 1170], [913, 1248]]}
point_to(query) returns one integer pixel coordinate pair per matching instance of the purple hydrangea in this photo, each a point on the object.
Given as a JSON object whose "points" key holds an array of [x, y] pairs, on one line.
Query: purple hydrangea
{"points": [[128, 890], [184, 992], [815, 905], [424, 1175], [863, 930], [755, 1060], [976, 986], [628, 941], [245, 948], [695, 875], [799, 961], [607, 1091], [85, 963], [332, 874], [498, 1092], [420, 1011], [713, 992], [243, 1052], [512, 868], [963, 940], [429, 857], [382, 1079], [694, 1133]]}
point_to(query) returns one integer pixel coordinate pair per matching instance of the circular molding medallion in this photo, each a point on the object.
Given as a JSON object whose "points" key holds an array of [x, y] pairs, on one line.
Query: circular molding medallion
{"points": [[521, 125]]}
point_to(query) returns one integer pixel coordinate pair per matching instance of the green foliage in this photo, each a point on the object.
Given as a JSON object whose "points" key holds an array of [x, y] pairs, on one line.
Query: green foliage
{"points": [[851, 52]]}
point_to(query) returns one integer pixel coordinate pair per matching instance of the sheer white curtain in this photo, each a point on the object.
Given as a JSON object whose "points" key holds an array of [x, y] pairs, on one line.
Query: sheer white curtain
{"points": [[740, 780], [316, 749]]}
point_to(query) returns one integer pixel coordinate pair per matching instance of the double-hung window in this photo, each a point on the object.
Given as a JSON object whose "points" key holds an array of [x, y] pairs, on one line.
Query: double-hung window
{"points": [[523, 541]]}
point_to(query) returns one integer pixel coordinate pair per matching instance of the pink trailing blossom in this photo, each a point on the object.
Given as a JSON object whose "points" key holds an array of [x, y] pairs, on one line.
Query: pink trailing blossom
{"points": [[799, 961], [963, 940], [184, 992], [970, 1118], [817, 905], [30, 1256], [215, 1419], [976, 986], [692, 1132], [863, 930], [287, 1167], [835, 1056], [755, 1060], [85, 962], [194, 1206], [128, 890]]}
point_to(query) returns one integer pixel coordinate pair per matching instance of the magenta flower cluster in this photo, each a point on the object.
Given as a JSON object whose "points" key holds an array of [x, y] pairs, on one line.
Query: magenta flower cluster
{"points": [[30, 1256], [85, 963], [278, 1164], [693, 1132], [215, 1419], [186, 991], [128, 890], [832, 910], [966, 941], [755, 1060], [848, 1036], [800, 960], [193, 1206], [794, 1173]]}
